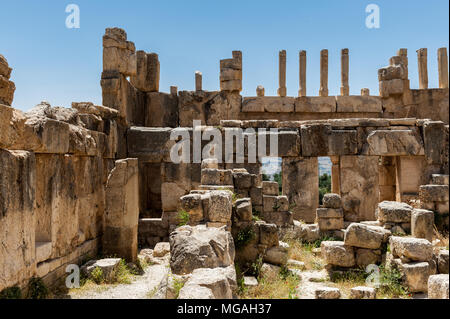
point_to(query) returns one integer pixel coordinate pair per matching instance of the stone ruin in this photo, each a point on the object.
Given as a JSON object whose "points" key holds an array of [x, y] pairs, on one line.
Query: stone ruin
{"points": [[93, 179]]}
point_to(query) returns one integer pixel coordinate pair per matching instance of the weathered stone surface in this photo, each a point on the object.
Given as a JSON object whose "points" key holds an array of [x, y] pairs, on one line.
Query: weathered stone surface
{"points": [[394, 212], [288, 143], [443, 261], [416, 274], [314, 139], [394, 143], [5, 70], [439, 179], [438, 287], [192, 204], [220, 206], [161, 249], [268, 104], [122, 211], [270, 188], [362, 292], [212, 176], [268, 234], [433, 193], [108, 267], [416, 249], [360, 235], [200, 247], [7, 89], [147, 72], [118, 53], [330, 223], [220, 281], [275, 203], [365, 257], [250, 281], [295, 264], [331, 200], [195, 292], [149, 144], [422, 222], [244, 210], [364, 104], [161, 110], [11, 123], [391, 87], [336, 253], [242, 180], [320, 104], [277, 255], [329, 213], [434, 141], [327, 293]]}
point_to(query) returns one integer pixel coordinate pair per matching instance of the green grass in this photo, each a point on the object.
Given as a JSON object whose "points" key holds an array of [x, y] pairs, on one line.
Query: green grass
{"points": [[11, 293], [244, 236], [183, 217]]}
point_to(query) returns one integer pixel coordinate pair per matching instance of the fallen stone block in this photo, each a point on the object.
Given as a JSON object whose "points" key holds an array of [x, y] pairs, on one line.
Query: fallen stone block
{"points": [[270, 188], [363, 293], [438, 287], [365, 257], [107, 266], [336, 253], [268, 234], [415, 275], [277, 255], [422, 224], [416, 249], [212, 176], [292, 263], [269, 271], [331, 200], [363, 236], [220, 206], [327, 293], [161, 249], [394, 212], [244, 210], [250, 281], [200, 247], [443, 261], [192, 204], [275, 203]]}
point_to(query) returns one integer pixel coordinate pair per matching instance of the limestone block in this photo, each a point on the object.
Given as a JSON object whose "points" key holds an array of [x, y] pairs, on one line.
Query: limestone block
{"points": [[277, 255], [329, 213], [438, 287], [279, 218], [394, 212], [365, 257], [415, 275], [147, 72], [394, 143], [439, 179], [256, 195], [5, 70], [332, 223], [161, 249], [422, 222], [416, 249], [364, 236], [331, 200], [363, 104], [242, 180], [104, 112], [192, 204], [342, 142], [211, 176], [288, 143], [161, 110], [433, 193], [336, 253], [272, 104], [122, 210], [270, 188], [210, 163], [392, 72], [200, 247], [434, 141], [314, 139], [244, 210], [300, 175], [391, 87], [275, 203], [11, 124], [443, 261], [363, 292], [268, 234], [149, 144], [108, 266], [314, 104], [118, 53], [7, 89], [327, 293], [170, 195], [220, 206]]}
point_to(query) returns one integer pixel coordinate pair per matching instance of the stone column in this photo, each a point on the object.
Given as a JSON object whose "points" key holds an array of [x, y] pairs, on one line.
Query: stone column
{"points": [[282, 73], [323, 73], [403, 54], [335, 175], [260, 90], [345, 90], [423, 71], [443, 68], [174, 90], [120, 237], [302, 73], [198, 80]]}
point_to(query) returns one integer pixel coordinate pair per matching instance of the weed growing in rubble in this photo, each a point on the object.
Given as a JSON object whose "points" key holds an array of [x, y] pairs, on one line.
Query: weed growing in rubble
{"points": [[37, 289], [183, 217], [244, 236]]}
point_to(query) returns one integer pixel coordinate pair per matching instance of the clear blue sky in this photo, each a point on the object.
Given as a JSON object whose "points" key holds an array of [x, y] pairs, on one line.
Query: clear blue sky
{"points": [[62, 65]]}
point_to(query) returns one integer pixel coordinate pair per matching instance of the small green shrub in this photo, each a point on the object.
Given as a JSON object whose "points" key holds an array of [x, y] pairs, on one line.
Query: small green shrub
{"points": [[391, 282], [177, 285], [183, 218], [37, 289], [244, 236], [124, 274], [97, 275], [11, 293], [256, 266]]}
